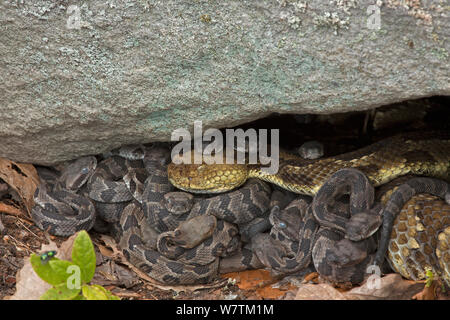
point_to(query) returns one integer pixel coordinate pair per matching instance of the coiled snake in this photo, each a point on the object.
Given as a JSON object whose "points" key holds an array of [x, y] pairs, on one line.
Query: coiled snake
{"points": [[425, 154], [168, 235], [156, 219]]}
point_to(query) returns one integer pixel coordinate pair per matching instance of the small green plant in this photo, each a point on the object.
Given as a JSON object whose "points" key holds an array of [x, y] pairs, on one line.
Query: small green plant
{"points": [[70, 278], [430, 277]]}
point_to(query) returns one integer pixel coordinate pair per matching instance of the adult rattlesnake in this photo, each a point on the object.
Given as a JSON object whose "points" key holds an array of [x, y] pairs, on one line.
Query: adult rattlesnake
{"points": [[156, 219]]}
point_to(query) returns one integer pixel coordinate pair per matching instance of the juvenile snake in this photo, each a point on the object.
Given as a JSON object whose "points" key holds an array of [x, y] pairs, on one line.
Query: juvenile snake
{"points": [[173, 238], [425, 154], [59, 209], [156, 210], [304, 232]]}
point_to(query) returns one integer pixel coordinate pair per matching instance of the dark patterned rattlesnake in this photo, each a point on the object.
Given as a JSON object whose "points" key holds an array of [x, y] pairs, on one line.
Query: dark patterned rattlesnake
{"points": [[298, 236], [168, 235], [58, 208], [193, 262], [413, 153], [310, 231], [156, 211]]}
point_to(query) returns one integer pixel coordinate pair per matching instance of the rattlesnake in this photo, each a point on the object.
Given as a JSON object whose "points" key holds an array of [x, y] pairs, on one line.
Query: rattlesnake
{"points": [[420, 237], [304, 232], [153, 210], [58, 208], [426, 153], [189, 262], [167, 234], [412, 153]]}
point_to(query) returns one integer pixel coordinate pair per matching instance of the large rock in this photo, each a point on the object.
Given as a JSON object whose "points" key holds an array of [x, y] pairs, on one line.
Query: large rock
{"points": [[133, 71]]}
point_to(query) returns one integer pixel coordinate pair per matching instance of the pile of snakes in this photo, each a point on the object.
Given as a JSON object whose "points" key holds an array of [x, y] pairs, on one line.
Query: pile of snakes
{"points": [[385, 205]]}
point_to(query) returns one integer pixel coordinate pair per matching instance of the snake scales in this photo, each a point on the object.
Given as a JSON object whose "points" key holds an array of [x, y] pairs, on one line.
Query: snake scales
{"points": [[154, 221], [413, 153], [167, 234]]}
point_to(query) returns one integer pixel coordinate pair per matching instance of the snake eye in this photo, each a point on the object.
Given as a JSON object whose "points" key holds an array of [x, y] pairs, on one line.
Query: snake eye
{"points": [[85, 170], [282, 225]]}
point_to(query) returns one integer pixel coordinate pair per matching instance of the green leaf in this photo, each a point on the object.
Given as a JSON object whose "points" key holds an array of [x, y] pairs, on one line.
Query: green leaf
{"points": [[52, 272], [430, 277], [113, 297], [60, 292], [94, 292], [83, 255], [108, 293]]}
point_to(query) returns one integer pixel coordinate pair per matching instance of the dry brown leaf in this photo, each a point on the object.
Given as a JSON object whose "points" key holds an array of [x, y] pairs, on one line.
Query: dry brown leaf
{"points": [[428, 293], [28, 284], [259, 280], [250, 279], [105, 251], [22, 178], [312, 277], [10, 209], [389, 287], [320, 291]]}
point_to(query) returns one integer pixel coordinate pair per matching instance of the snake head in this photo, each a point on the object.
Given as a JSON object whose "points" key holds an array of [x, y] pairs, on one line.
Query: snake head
{"points": [[363, 225], [77, 173], [178, 203], [207, 178], [190, 233]]}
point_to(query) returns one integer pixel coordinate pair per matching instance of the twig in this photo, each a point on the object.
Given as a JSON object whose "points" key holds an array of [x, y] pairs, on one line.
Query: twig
{"points": [[8, 209], [20, 244], [25, 227], [9, 263]]}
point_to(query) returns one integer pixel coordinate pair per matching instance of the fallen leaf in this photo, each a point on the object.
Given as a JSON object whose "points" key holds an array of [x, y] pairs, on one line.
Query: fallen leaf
{"points": [[389, 287], [110, 273], [22, 178], [320, 291], [105, 251], [250, 279], [428, 293], [312, 277], [10, 209], [259, 281], [28, 284]]}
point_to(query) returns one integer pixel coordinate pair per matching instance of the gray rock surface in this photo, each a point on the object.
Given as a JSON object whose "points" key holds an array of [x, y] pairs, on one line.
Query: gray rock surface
{"points": [[80, 78]]}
